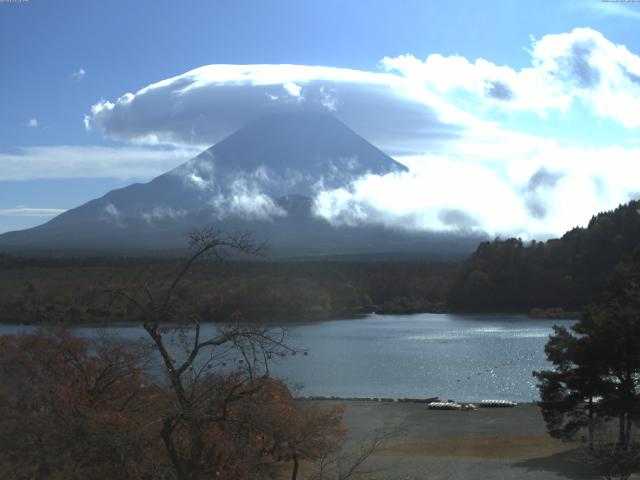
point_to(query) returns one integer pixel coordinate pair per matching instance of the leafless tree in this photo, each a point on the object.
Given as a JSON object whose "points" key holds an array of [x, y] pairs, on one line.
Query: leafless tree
{"points": [[349, 463], [203, 384]]}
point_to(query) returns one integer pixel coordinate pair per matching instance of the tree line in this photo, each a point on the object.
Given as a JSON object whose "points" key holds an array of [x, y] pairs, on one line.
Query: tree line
{"points": [[570, 272], [72, 290]]}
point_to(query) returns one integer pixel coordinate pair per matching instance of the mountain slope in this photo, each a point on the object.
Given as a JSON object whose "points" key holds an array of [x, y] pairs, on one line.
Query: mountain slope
{"points": [[261, 179], [274, 156]]}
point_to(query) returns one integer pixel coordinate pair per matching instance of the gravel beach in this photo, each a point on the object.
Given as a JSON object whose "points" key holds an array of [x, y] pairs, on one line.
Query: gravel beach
{"points": [[496, 443]]}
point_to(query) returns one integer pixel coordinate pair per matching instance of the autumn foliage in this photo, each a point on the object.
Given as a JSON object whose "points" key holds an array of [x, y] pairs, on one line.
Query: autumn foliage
{"points": [[72, 408], [68, 412]]}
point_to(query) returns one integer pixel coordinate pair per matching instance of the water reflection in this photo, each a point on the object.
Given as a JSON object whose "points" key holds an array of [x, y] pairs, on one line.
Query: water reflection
{"points": [[462, 357]]}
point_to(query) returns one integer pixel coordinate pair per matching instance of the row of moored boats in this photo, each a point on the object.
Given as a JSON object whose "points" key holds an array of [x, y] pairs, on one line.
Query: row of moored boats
{"points": [[450, 405]]}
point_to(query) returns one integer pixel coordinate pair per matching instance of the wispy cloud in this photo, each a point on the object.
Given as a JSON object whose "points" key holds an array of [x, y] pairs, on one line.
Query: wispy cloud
{"points": [[32, 123], [30, 212], [70, 161], [246, 200], [612, 8], [79, 74]]}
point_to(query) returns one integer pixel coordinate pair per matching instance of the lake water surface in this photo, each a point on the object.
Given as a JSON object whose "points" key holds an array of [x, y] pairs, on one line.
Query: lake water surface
{"points": [[460, 357]]}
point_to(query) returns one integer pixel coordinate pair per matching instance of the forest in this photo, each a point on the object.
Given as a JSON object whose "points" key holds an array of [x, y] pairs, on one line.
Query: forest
{"points": [[568, 273], [71, 290]]}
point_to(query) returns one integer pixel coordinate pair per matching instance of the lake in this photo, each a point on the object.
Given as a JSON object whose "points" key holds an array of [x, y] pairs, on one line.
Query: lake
{"points": [[459, 357]]}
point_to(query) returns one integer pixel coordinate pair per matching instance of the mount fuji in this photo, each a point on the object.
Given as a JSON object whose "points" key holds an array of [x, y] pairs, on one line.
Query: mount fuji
{"points": [[262, 179]]}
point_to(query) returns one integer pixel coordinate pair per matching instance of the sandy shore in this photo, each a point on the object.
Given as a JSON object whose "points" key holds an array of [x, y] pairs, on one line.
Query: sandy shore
{"points": [[509, 443]]}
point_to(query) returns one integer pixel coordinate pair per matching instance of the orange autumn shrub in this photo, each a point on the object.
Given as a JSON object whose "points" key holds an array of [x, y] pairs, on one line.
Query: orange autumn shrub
{"points": [[76, 409]]}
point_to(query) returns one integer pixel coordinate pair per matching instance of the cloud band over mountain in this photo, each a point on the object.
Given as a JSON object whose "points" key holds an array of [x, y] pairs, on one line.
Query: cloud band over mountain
{"points": [[407, 107], [204, 105]]}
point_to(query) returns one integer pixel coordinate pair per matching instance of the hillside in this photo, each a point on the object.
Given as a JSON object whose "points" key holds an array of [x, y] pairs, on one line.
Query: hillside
{"points": [[568, 272]]}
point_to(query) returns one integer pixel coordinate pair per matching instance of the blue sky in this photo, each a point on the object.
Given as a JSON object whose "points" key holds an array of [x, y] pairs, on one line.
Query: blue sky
{"points": [[61, 58]]}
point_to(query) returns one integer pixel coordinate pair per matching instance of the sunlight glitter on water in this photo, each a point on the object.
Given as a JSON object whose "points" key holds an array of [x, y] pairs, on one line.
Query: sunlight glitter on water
{"points": [[463, 357]]}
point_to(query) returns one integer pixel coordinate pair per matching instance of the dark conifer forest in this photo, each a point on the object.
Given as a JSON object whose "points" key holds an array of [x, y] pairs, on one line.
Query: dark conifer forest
{"points": [[570, 272]]}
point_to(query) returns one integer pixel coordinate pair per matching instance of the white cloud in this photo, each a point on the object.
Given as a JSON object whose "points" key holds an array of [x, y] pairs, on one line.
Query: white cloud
{"points": [[66, 161], [580, 66], [413, 106], [204, 105], [198, 181], [612, 8], [79, 74], [22, 211], [112, 210], [162, 213], [32, 123], [292, 89], [244, 197], [247, 204], [546, 191]]}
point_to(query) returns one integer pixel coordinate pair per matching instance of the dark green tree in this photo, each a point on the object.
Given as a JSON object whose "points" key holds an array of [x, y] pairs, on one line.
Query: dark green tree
{"points": [[570, 393], [597, 364]]}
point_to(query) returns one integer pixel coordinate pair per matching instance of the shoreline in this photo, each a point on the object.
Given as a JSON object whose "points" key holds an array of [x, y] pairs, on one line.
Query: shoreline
{"points": [[505, 443], [427, 400], [306, 320]]}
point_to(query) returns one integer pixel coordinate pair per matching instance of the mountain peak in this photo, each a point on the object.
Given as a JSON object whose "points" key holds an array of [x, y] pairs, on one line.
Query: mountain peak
{"points": [[310, 147]]}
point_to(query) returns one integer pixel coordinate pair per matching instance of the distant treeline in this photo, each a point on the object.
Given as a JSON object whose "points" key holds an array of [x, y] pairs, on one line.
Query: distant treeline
{"points": [[570, 272], [77, 290]]}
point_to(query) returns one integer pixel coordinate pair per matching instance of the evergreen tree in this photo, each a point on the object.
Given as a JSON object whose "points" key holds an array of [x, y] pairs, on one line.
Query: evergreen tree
{"points": [[597, 364]]}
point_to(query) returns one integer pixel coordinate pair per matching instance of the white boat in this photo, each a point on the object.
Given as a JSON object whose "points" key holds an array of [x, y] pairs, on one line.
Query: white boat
{"points": [[497, 404], [444, 406]]}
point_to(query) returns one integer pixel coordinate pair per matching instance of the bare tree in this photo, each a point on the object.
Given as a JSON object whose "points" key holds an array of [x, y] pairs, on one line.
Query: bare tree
{"points": [[204, 386], [349, 463]]}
